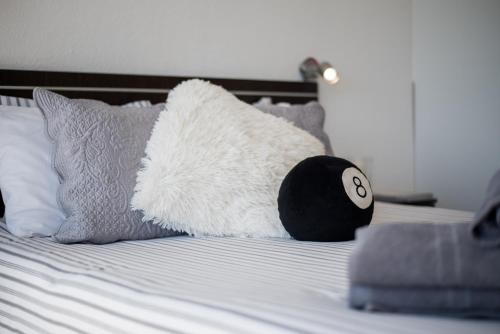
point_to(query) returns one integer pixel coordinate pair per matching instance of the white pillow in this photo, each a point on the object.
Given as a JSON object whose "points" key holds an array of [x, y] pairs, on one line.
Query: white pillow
{"points": [[27, 180], [214, 164]]}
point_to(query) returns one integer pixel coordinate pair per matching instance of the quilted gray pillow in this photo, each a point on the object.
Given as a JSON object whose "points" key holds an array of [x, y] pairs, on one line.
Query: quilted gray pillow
{"points": [[98, 149], [309, 117]]}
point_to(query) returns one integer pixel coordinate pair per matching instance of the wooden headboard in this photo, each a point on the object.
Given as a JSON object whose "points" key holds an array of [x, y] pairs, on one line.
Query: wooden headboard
{"points": [[122, 88]]}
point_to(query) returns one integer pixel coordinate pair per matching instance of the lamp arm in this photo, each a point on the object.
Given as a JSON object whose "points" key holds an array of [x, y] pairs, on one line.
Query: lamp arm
{"points": [[310, 69]]}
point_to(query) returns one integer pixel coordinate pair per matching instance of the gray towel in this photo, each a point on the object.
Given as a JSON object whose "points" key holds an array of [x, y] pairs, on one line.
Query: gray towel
{"points": [[486, 228], [424, 268]]}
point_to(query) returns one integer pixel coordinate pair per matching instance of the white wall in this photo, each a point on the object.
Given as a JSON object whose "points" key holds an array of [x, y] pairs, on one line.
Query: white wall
{"points": [[368, 113], [456, 64]]}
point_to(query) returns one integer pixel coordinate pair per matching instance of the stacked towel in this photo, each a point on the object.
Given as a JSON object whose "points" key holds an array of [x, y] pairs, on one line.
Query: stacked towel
{"points": [[430, 268], [424, 268]]}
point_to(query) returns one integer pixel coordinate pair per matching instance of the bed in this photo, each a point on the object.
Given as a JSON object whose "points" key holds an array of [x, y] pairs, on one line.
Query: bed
{"points": [[199, 285], [191, 285]]}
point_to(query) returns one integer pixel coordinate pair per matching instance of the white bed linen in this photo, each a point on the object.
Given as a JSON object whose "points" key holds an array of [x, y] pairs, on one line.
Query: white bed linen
{"points": [[204, 285]]}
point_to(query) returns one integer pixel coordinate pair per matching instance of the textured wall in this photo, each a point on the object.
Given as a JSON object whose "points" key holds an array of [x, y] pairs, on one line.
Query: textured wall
{"points": [[368, 113]]}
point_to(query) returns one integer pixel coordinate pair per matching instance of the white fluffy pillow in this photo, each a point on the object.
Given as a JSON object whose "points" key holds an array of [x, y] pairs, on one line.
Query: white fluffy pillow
{"points": [[214, 164]]}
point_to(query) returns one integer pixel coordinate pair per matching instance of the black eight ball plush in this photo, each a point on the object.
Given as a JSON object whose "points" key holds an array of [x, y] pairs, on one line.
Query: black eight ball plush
{"points": [[325, 198]]}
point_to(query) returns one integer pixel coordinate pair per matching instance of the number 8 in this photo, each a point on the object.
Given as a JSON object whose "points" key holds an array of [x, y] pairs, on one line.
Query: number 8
{"points": [[359, 185]]}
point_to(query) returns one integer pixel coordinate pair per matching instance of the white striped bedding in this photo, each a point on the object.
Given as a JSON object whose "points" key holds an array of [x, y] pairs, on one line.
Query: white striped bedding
{"points": [[204, 285]]}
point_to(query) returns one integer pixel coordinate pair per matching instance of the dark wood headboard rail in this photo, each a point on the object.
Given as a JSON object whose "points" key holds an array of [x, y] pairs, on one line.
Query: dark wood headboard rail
{"points": [[122, 88]]}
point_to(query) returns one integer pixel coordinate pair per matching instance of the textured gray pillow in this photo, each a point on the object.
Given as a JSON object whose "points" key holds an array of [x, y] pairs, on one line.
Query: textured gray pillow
{"points": [[309, 117], [98, 149]]}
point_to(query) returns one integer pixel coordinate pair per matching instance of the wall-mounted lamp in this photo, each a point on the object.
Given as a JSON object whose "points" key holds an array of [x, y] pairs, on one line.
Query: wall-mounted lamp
{"points": [[311, 68]]}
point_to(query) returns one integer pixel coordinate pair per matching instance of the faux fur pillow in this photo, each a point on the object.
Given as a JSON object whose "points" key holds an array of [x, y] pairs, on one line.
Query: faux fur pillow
{"points": [[214, 164]]}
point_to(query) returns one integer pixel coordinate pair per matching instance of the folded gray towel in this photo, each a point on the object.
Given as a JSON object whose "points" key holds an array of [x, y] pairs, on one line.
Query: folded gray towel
{"points": [[424, 268], [453, 302], [486, 228]]}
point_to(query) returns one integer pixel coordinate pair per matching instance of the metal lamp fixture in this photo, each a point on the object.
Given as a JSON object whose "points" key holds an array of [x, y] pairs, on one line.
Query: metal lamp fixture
{"points": [[311, 68]]}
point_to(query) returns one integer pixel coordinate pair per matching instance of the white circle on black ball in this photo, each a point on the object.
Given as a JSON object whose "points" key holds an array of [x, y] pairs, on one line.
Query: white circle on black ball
{"points": [[357, 187]]}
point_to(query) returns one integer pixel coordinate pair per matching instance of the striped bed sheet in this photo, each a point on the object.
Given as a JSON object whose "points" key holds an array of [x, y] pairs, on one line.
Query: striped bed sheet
{"points": [[199, 285]]}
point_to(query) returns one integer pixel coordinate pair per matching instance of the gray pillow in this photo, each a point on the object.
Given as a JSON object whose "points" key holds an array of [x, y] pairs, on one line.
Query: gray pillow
{"points": [[98, 149], [309, 117]]}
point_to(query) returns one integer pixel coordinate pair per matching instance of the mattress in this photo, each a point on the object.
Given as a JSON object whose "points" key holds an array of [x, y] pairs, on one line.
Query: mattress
{"points": [[199, 285]]}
